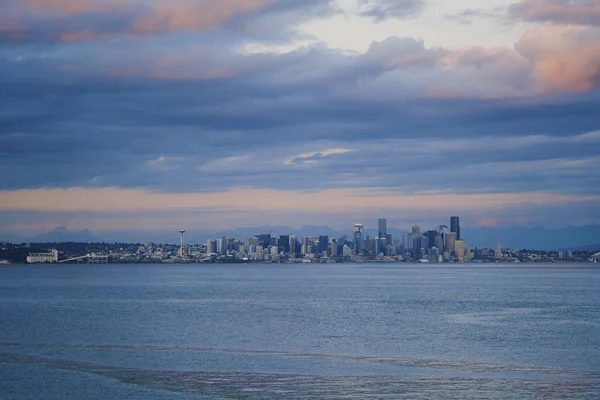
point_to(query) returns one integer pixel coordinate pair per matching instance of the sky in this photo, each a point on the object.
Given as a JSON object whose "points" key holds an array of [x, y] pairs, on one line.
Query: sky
{"points": [[213, 114]]}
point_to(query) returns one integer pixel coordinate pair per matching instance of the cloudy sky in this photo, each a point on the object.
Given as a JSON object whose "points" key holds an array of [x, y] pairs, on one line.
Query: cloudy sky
{"points": [[212, 114]]}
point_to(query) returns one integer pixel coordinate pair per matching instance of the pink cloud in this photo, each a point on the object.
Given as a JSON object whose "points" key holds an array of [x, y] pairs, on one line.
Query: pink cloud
{"points": [[70, 7], [12, 31], [582, 12], [563, 58], [77, 36], [187, 15]]}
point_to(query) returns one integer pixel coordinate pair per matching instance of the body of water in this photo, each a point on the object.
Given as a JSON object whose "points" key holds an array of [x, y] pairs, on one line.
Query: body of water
{"points": [[302, 331]]}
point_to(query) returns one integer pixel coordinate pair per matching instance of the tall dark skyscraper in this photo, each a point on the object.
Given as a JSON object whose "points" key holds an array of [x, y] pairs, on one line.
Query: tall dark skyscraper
{"points": [[284, 242], [455, 227], [382, 224], [264, 239], [431, 235], [323, 243]]}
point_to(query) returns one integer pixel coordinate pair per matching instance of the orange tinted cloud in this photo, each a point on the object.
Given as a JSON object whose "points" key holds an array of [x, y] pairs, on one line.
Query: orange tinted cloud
{"points": [[77, 36], [71, 7], [583, 12], [564, 58], [188, 15], [12, 31]]}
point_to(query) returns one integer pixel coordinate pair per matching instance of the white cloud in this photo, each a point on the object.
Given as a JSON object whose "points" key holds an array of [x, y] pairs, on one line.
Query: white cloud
{"points": [[315, 156]]}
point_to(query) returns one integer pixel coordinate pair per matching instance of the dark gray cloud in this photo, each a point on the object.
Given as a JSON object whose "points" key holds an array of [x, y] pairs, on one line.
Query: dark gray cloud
{"points": [[381, 10], [110, 122]]}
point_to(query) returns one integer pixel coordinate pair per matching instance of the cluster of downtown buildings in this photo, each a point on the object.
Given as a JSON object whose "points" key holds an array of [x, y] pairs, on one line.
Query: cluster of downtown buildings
{"points": [[443, 244]]}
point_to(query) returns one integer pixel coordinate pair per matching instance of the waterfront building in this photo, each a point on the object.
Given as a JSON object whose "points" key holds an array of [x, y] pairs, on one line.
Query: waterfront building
{"points": [[36, 258]]}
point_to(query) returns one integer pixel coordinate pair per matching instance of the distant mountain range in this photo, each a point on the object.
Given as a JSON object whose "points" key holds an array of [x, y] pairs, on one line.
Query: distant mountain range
{"points": [[59, 234], [539, 238]]}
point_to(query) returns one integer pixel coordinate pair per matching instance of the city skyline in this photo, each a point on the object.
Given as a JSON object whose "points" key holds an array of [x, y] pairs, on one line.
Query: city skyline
{"points": [[130, 114], [527, 238]]}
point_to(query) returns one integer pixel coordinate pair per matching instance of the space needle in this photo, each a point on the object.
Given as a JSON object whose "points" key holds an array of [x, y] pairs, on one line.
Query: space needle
{"points": [[181, 232]]}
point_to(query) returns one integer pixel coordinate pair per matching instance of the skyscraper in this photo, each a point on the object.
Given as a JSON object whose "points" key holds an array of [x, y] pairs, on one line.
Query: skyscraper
{"points": [[323, 244], [455, 227], [293, 245], [405, 241], [264, 239], [416, 234], [284, 242], [382, 224], [432, 236], [498, 252], [450, 241], [211, 246], [359, 237]]}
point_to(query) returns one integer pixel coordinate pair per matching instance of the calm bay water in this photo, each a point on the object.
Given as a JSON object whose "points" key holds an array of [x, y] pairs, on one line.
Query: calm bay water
{"points": [[345, 331]]}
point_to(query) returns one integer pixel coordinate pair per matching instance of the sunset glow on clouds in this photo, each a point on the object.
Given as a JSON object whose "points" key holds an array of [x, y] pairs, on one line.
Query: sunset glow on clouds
{"points": [[417, 109]]}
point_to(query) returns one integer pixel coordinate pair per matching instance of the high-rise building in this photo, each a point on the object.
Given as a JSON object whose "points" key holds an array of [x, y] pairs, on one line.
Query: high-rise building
{"points": [[359, 238], [416, 234], [323, 244], [382, 224], [416, 231], [410, 242], [425, 242], [222, 246], [498, 252], [405, 240], [432, 236], [439, 243], [459, 249], [284, 243], [375, 249], [294, 245], [211, 246], [455, 227], [264, 240], [333, 248], [450, 240]]}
